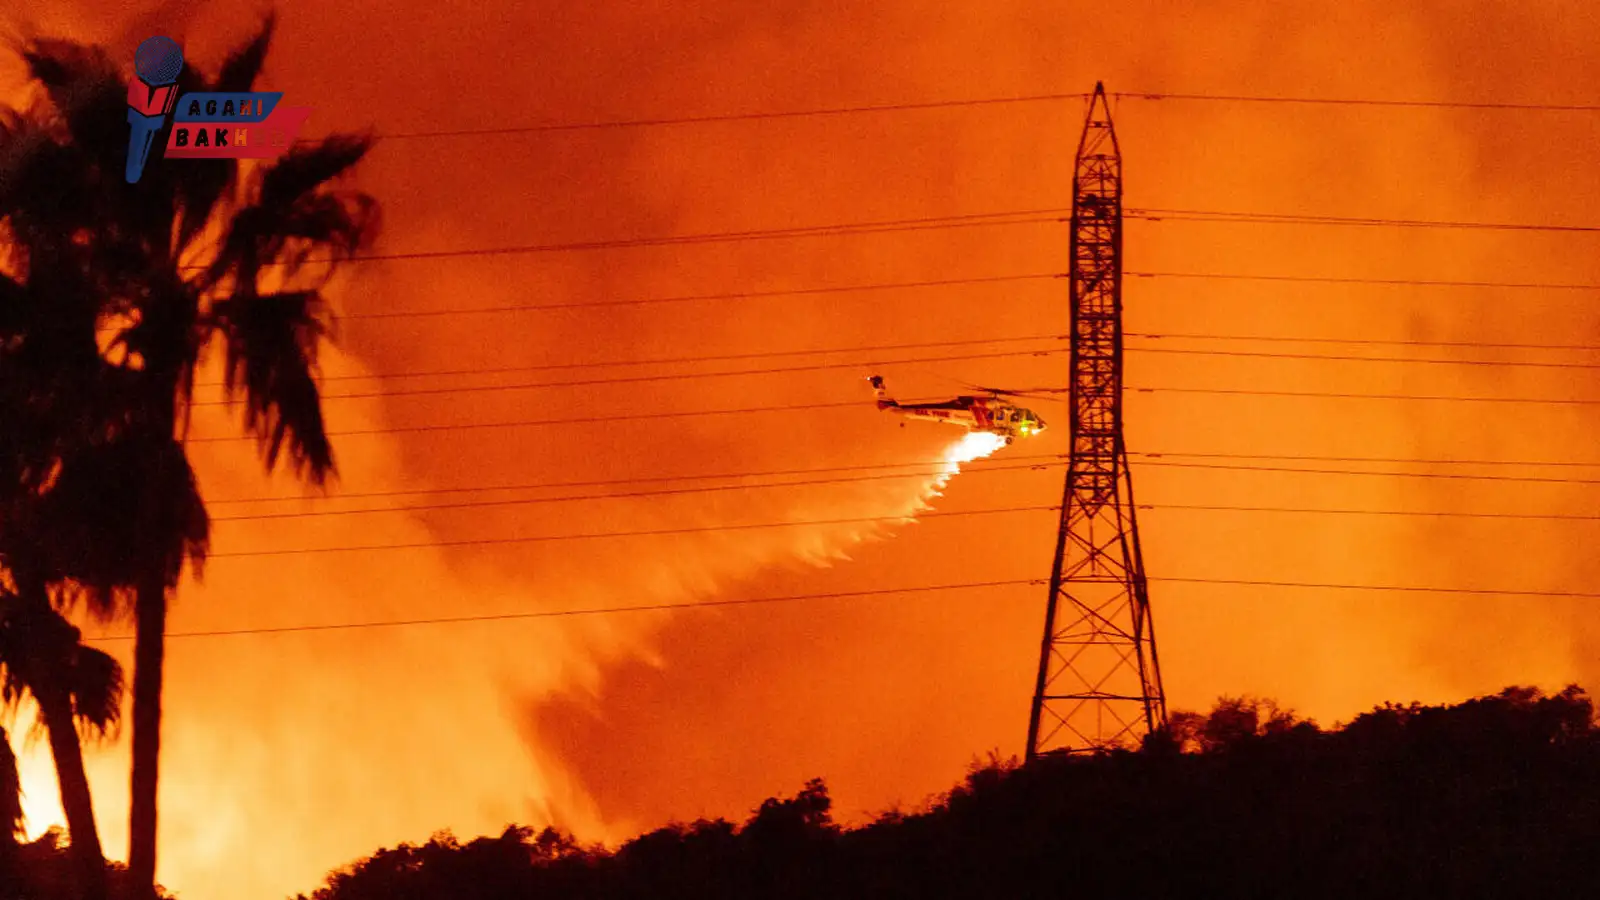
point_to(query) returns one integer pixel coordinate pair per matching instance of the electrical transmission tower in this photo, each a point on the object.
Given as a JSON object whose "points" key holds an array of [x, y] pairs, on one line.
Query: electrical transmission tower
{"points": [[1099, 680]]}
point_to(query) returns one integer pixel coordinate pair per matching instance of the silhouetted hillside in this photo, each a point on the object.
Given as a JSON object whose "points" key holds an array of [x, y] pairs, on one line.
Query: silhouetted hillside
{"points": [[1495, 797]]}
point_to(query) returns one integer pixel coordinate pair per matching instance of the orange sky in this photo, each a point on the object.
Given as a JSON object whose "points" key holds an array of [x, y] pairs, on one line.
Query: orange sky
{"points": [[289, 754]]}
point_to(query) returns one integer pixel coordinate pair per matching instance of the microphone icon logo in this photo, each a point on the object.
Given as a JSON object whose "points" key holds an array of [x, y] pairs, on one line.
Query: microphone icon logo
{"points": [[157, 62]]}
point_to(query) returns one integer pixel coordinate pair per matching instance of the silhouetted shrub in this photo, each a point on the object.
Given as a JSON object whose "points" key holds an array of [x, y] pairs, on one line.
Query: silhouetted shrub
{"points": [[41, 869]]}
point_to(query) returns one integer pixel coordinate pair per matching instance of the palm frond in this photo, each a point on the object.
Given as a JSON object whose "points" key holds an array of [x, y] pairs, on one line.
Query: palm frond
{"points": [[21, 137], [58, 320], [16, 652], [103, 529], [46, 191], [172, 202], [207, 183], [96, 684], [306, 168], [271, 358], [166, 334], [243, 66], [87, 92], [296, 213], [105, 601], [66, 69], [204, 184]]}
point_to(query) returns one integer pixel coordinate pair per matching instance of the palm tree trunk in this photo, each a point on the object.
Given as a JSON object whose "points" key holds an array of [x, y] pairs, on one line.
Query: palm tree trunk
{"points": [[56, 708], [149, 655], [55, 642]]}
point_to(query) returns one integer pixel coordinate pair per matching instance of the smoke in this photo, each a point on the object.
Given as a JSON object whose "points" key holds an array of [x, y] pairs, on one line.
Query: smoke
{"points": [[359, 738]]}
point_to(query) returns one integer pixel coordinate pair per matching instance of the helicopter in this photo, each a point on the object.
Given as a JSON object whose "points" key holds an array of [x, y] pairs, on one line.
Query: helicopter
{"points": [[988, 414]]}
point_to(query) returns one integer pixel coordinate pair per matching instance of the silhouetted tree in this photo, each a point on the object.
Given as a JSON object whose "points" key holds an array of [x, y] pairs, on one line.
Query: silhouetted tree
{"points": [[53, 423], [192, 256], [74, 686]]}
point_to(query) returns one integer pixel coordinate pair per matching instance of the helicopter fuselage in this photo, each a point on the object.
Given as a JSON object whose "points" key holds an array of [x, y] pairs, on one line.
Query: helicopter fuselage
{"points": [[988, 414]]}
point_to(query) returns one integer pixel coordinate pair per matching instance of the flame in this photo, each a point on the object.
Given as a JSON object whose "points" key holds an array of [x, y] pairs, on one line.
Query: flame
{"points": [[41, 798]]}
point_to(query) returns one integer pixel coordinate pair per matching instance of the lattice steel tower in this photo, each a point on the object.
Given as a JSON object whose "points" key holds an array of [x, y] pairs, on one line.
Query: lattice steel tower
{"points": [[1099, 679]]}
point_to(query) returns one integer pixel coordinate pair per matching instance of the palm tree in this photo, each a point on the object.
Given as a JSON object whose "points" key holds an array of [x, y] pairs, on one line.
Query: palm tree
{"points": [[63, 427], [75, 687], [47, 426], [193, 255]]}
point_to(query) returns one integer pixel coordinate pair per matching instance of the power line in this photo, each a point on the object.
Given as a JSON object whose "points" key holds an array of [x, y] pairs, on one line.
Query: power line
{"points": [[1370, 459], [913, 106], [691, 298], [638, 379], [1252, 354], [678, 360], [535, 423], [628, 495], [590, 611], [948, 282], [935, 223], [730, 117], [836, 595], [474, 542], [683, 360], [659, 532], [1449, 514], [970, 220], [1364, 101], [1027, 466], [1257, 392], [817, 367], [798, 407], [926, 468], [1200, 215], [1463, 476], [1395, 282], [928, 223], [1396, 588], [1039, 462], [1293, 339]]}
